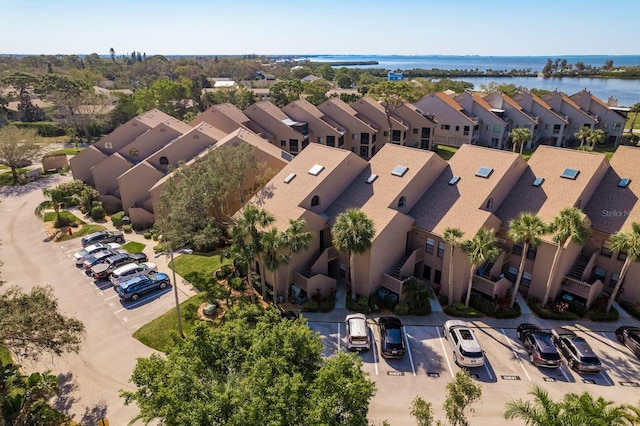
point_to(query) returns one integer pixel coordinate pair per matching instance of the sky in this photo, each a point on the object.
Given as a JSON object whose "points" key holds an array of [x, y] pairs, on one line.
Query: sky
{"points": [[302, 27]]}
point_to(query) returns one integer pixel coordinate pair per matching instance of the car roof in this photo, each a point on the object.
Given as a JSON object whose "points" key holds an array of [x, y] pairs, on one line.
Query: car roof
{"points": [[562, 332], [133, 281], [125, 268], [118, 256], [456, 323], [390, 322], [356, 316]]}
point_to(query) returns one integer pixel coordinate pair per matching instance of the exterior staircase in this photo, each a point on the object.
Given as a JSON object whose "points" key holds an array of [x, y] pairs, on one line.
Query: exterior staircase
{"points": [[579, 267], [396, 269], [486, 270]]}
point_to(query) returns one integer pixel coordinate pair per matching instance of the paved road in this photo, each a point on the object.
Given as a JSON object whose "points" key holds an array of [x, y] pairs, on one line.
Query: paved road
{"points": [[92, 379]]}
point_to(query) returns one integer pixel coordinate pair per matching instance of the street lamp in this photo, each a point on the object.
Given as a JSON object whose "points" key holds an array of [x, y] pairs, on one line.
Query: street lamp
{"points": [[175, 283]]}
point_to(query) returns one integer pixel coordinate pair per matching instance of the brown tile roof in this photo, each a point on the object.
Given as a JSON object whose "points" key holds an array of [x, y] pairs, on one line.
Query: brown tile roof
{"points": [[556, 192], [461, 205], [448, 100], [379, 199], [153, 118], [613, 208]]}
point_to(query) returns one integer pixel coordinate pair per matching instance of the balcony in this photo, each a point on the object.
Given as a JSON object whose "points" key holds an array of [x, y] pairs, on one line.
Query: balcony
{"points": [[577, 281], [315, 274], [489, 278], [402, 271]]}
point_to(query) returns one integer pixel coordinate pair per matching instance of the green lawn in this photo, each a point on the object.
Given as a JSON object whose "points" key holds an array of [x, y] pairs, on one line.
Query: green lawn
{"points": [[446, 152], [68, 151], [630, 119], [5, 356], [198, 269], [51, 216], [157, 333], [6, 178], [134, 247], [86, 229]]}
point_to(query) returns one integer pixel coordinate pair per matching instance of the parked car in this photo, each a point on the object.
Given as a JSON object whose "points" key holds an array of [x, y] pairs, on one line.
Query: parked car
{"points": [[102, 237], [466, 348], [99, 257], [539, 345], [131, 270], [391, 337], [358, 338], [81, 256], [139, 257], [576, 351], [630, 337], [135, 287], [102, 270]]}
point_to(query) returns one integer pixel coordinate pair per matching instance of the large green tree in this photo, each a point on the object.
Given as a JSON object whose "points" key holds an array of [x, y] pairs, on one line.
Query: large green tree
{"points": [[18, 147], [453, 237], [353, 233], [595, 137], [520, 136], [528, 228], [392, 95], [629, 243], [481, 248], [461, 393], [582, 134], [569, 224], [249, 371], [284, 92]]}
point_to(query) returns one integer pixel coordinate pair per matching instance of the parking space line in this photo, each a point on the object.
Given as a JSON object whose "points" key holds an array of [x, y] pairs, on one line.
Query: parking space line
{"points": [[141, 301], [515, 353], [339, 337], [561, 368], [375, 350], [626, 358], [444, 350], [111, 297], [406, 339]]}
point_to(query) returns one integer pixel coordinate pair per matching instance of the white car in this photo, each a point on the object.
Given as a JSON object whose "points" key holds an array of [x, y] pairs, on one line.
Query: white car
{"points": [[466, 349], [132, 270], [82, 255]]}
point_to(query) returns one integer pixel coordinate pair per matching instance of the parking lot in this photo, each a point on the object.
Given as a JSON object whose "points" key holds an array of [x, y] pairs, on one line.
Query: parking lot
{"points": [[507, 373]]}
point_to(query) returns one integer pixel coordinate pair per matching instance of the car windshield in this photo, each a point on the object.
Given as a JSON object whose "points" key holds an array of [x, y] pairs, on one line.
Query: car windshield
{"points": [[394, 336], [553, 356], [589, 360], [470, 354]]}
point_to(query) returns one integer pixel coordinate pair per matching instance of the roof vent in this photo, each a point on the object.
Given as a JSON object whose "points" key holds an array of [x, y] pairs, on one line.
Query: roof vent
{"points": [[570, 174], [316, 169], [289, 178], [371, 178], [399, 171], [538, 181], [484, 172], [624, 182], [454, 180]]}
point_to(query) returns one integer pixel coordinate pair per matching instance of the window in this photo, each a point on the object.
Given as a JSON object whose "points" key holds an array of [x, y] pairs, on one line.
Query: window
{"points": [[489, 204], [415, 131], [331, 141], [538, 181], [396, 135], [319, 140], [496, 128], [437, 278], [426, 272], [614, 280], [457, 128], [622, 256], [513, 273], [606, 251], [343, 270], [108, 145], [315, 201], [441, 249], [445, 127], [283, 143], [546, 127], [341, 141], [600, 274], [606, 125], [517, 249], [570, 173], [615, 127], [364, 151], [624, 182], [465, 130], [576, 126], [402, 201], [354, 136], [556, 128], [399, 171], [293, 145], [430, 245], [484, 172], [385, 133], [526, 279], [164, 161], [364, 138], [454, 180], [532, 252]]}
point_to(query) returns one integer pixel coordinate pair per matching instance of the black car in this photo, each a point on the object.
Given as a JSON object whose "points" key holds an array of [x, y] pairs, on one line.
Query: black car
{"points": [[102, 270], [630, 337], [539, 345], [139, 257], [103, 237], [391, 337], [99, 257], [576, 350]]}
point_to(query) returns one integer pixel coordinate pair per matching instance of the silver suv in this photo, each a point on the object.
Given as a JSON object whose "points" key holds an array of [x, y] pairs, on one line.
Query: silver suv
{"points": [[466, 349]]}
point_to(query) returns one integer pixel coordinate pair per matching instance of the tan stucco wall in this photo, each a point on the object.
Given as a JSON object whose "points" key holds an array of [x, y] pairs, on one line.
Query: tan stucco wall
{"points": [[105, 173], [134, 185], [82, 163]]}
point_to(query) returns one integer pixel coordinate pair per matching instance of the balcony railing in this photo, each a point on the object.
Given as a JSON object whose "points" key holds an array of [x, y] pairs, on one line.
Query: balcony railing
{"points": [[582, 289], [489, 287]]}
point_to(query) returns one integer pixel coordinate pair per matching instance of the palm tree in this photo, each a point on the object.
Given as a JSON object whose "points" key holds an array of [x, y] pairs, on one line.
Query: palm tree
{"points": [[568, 224], [520, 136], [595, 136], [582, 134], [296, 239], [452, 236], [542, 412], [272, 242], [479, 249], [628, 242], [246, 233], [584, 409], [353, 233], [528, 228], [56, 198], [636, 110]]}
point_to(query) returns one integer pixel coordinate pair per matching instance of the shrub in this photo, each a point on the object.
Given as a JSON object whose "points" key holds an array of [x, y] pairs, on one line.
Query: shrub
{"points": [[223, 272], [375, 302], [327, 304], [577, 308], [97, 212], [116, 219], [632, 308], [535, 305], [126, 229], [444, 300], [360, 305], [237, 283], [390, 303], [309, 306], [602, 316], [483, 305], [419, 310], [140, 226], [401, 309], [458, 310], [508, 313], [44, 128], [148, 235]]}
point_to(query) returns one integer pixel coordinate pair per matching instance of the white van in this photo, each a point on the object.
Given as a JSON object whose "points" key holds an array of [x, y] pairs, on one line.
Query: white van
{"points": [[358, 338]]}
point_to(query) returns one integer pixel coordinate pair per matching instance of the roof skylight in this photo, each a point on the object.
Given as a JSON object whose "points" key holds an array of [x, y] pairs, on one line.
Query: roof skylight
{"points": [[289, 178], [570, 173], [371, 178], [399, 171], [316, 169], [624, 182], [454, 180], [538, 181], [484, 172]]}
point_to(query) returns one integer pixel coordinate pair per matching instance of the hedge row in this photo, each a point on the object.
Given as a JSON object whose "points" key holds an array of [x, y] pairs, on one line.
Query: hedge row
{"points": [[44, 128], [631, 308]]}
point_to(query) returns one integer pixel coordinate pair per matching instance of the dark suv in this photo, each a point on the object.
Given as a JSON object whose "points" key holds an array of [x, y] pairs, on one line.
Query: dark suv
{"points": [[391, 337], [102, 270], [135, 287], [539, 345], [576, 350], [103, 237]]}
